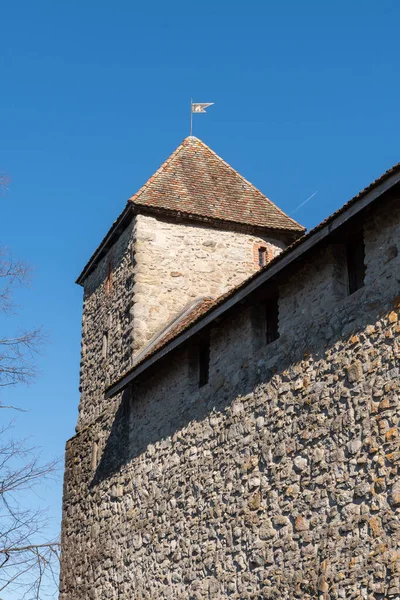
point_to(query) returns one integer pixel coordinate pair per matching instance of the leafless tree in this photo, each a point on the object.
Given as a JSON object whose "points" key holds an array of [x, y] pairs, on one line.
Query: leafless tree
{"points": [[28, 562], [16, 351]]}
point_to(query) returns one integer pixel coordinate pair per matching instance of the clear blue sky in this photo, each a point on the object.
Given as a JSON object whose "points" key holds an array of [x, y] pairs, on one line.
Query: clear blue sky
{"points": [[95, 95]]}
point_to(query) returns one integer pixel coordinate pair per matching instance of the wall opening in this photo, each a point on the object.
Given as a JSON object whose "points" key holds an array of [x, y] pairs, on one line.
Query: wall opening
{"points": [[204, 360], [109, 280], [262, 256], [271, 319], [355, 258]]}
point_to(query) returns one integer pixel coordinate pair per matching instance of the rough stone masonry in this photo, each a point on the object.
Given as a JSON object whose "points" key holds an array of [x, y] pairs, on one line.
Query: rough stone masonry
{"points": [[278, 478]]}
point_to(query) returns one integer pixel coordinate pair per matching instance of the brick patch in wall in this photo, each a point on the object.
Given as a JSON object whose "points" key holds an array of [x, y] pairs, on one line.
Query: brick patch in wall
{"points": [[268, 255]]}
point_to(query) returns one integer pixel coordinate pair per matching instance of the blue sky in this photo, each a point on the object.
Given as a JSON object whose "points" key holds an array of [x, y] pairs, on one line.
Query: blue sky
{"points": [[95, 95]]}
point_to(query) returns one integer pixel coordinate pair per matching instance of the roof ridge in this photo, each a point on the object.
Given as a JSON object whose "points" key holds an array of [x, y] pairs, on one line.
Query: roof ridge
{"points": [[245, 180]]}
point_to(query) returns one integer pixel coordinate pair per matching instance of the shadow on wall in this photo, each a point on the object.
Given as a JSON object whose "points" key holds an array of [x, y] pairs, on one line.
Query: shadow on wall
{"points": [[145, 416]]}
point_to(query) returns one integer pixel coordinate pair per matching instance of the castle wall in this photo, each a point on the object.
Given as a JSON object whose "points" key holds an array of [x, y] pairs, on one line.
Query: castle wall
{"points": [[279, 478], [178, 263]]}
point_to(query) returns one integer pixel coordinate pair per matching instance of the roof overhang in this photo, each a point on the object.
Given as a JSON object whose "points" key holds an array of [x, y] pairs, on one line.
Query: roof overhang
{"points": [[115, 230], [320, 233], [132, 208]]}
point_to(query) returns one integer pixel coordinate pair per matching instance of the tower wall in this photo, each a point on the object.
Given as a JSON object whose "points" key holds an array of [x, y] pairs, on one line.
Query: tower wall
{"points": [[176, 263], [107, 324]]}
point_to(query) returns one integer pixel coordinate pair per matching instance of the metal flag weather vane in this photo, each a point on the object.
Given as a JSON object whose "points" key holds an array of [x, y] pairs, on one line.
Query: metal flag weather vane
{"points": [[197, 107]]}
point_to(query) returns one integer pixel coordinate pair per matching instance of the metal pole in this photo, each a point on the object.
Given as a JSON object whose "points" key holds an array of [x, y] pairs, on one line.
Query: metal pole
{"points": [[191, 116]]}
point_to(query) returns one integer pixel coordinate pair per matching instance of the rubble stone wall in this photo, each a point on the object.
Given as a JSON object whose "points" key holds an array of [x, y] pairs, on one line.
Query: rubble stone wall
{"points": [[107, 325], [279, 479]]}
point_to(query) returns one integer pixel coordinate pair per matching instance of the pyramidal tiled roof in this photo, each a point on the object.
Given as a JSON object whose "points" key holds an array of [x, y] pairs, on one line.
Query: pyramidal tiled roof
{"points": [[195, 180]]}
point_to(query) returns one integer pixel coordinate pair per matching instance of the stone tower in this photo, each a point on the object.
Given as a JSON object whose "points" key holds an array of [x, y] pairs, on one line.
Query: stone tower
{"points": [[196, 229]]}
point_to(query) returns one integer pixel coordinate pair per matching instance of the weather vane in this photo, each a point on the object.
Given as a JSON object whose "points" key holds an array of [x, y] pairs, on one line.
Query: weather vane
{"points": [[197, 107]]}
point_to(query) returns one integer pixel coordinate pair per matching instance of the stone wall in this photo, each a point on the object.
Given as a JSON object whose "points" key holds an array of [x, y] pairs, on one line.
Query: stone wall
{"points": [[107, 325], [177, 263], [154, 270], [277, 479]]}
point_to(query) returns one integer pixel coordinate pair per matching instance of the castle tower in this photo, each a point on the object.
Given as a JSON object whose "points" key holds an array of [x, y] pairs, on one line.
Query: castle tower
{"points": [[196, 229]]}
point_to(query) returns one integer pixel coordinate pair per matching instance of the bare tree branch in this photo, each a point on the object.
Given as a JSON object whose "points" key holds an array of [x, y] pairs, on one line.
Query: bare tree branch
{"points": [[17, 352], [28, 563], [12, 271]]}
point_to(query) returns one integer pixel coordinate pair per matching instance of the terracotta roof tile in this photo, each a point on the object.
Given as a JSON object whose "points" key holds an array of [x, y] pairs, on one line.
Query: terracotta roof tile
{"points": [[197, 181]]}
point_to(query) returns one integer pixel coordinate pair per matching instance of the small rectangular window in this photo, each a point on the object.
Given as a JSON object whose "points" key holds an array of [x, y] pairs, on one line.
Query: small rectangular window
{"points": [[204, 361], [272, 320], [262, 257], [355, 255]]}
